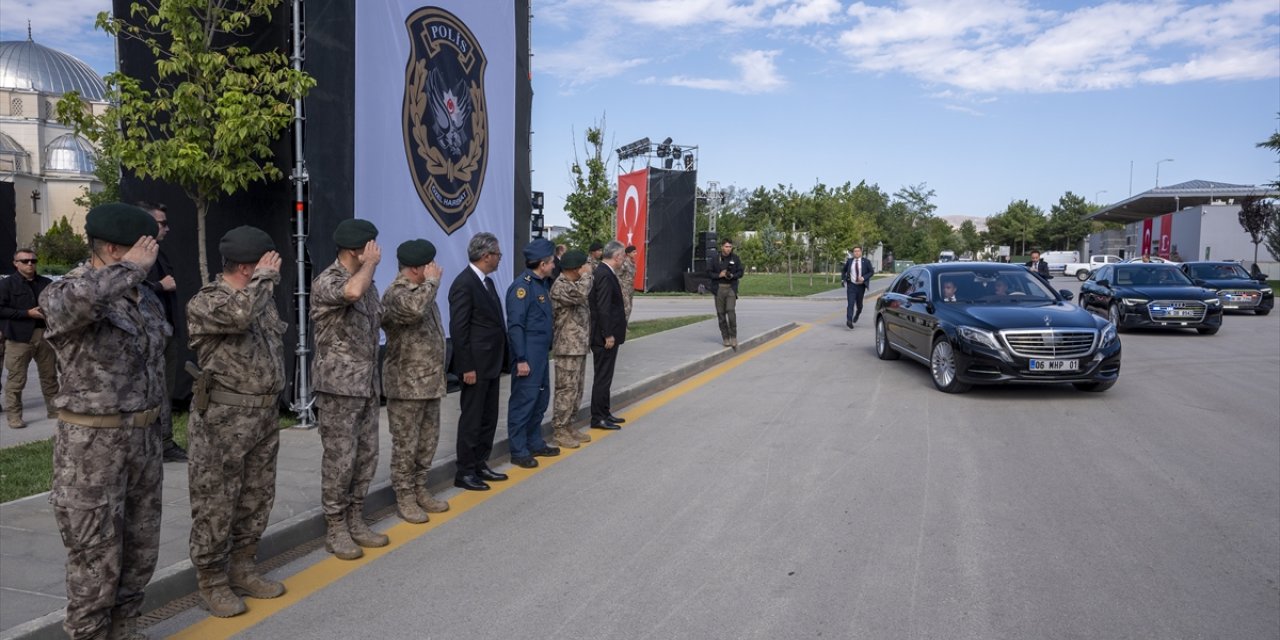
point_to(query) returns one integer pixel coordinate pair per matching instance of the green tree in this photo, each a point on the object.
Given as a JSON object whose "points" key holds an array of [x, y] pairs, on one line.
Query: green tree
{"points": [[106, 170], [1272, 237], [60, 245], [216, 106], [588, 205], [968, 238], [1019, 225], [1272, 143], [1255, 217], [1068, 222]]}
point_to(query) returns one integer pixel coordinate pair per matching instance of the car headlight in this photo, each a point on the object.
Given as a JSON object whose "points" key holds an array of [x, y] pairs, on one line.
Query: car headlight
{"points": [[1109, 335], [1212, 300], [1264, 290], [1135, 302], [979, 336]]}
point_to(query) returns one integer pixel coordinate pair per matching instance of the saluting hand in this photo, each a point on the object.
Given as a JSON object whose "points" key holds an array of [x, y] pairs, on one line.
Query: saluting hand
{"points": [[434, 271], [372, 254], [143, 252], [269, 262]]}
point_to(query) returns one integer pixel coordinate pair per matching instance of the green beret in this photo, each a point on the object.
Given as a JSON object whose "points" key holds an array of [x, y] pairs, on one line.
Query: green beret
{"points": [[354, 233], [245, 245], [415, 253], [119, 223], [573, 260], [596, 246]]}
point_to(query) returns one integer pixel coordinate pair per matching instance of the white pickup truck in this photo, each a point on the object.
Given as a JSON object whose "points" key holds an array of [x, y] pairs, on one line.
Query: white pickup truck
{"points": [[1081, 270]]}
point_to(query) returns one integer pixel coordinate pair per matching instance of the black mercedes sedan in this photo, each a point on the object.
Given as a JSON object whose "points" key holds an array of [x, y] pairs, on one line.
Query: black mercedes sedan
{"points": [[1236, 288], [986, 323], [1151, 295]]}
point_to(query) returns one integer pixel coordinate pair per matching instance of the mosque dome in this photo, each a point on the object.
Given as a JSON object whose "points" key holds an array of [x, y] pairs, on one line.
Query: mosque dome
{"points": [[12, 156], [27, 65], [69, 153]]}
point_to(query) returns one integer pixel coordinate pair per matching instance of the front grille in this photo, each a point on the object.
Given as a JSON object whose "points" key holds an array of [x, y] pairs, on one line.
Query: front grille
{"points": [[1051, 343], [1177, 310], [1240, 298]]}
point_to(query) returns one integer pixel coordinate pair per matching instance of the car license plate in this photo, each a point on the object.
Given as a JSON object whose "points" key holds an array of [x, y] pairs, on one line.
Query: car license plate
{"points": [[1055, 365]]}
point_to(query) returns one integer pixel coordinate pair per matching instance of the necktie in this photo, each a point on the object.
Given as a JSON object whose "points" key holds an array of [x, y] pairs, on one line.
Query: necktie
{"points": [[857, 270], [493, 291]]}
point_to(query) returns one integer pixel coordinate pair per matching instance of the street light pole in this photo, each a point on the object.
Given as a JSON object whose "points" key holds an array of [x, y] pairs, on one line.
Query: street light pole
{"points": [[1098, 193], [1158, 170]]}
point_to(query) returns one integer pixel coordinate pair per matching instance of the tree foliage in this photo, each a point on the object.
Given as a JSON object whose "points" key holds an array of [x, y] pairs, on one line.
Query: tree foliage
{"points": [[588, 205], [106, 170], [1068, 222], [1273, 143], [1272, 236], [216, 106], [1020, 226], [60, 245], [1256, 215]]}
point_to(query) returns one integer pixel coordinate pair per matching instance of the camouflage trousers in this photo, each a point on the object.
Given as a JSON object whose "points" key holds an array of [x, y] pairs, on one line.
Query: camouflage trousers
{"points": [[349, 433], [106, 501], [232, 479], [569, 381], [626, 303], [415, 432]]}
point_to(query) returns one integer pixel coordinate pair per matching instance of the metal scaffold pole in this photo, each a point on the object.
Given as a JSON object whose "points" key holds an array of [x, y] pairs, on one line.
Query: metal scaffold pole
{"points": [[303, 399]]}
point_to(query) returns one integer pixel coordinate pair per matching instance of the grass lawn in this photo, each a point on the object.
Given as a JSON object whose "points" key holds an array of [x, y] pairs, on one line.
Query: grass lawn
{"points": [[775, 284], [27, 469], [641, 328]]}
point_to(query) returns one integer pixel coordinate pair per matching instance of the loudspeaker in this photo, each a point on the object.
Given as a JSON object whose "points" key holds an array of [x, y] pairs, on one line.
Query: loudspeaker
{"points": [[706, 245]]}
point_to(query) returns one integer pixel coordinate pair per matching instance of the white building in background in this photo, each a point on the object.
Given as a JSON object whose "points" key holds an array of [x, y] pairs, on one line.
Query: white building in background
{"points": [[1194, 220], [47, 163]]}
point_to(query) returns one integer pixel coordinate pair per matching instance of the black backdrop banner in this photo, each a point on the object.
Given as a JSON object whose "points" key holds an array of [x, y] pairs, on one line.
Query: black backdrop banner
{"points": [[670, 229], [8, 226]]}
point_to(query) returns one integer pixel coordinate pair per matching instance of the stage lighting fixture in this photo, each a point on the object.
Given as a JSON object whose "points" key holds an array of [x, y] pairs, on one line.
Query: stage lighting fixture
{"points": [[537, 200], [688, 162], [676, 151], [664, 149], [637, 148]]}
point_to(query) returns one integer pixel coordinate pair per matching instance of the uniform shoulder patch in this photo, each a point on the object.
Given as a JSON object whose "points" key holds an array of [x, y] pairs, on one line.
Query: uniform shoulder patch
{"points": [[520, 293]]}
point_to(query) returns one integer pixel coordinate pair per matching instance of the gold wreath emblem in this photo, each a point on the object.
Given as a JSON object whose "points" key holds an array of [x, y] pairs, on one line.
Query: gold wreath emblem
{"points": [[437, 163], [520, 293]]}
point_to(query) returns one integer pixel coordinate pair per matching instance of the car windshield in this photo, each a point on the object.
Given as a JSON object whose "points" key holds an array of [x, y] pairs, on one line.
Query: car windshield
{"points": [[1149, 275], [1219, 272], [994, 285]]}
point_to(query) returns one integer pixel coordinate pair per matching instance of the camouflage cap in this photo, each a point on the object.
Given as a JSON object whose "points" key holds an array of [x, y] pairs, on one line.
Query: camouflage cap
{"points": [[573, 259], [245, 245], [354, 233], [415, 253], [119, 223]]}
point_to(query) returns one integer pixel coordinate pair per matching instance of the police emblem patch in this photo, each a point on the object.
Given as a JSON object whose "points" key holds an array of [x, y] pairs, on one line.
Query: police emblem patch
{"points": [[445, 121], [520, 293]]}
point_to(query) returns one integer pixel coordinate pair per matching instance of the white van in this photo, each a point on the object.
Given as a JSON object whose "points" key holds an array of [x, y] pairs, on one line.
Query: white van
{"points": [[1058, 260], [947, 255]]}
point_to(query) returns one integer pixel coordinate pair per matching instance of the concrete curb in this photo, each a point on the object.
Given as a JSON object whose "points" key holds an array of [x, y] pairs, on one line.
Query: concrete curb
{"points": [[179, 580]]}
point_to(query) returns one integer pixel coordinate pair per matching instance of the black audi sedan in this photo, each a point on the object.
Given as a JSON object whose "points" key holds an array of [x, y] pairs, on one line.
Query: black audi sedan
{"points": [[986, 323], [1151, 295], [1236, 288]]}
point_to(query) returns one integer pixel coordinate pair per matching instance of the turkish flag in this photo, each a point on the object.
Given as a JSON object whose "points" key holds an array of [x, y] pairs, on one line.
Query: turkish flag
{"points": [[1146, 237], [1166, 235], [633, 216]]}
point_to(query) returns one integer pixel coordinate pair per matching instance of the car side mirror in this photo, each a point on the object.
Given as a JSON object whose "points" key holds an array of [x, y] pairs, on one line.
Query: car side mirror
{"points": [[918, 297], [1066, 295], [1262, 277], [1104, 283], [1198, 282]]}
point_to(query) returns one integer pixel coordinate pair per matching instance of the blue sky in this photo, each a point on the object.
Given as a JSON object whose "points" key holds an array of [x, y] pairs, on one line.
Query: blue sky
{"points": [[986, 101]]}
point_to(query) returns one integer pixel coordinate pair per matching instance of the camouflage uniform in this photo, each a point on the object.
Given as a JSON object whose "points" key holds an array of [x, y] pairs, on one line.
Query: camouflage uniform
{"points": [[109, 334], [570, 347], [627, 279], [233, 441], [413, 377], [346, 381]]}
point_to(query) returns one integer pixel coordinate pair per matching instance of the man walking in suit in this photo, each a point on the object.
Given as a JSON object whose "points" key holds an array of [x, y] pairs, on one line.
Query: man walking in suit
{"points": [[1038, 266], [608, 332], [856, 275], [479, 335]]}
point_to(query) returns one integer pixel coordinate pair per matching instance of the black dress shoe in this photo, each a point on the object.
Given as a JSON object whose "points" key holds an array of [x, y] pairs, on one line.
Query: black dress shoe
{"points": [[470, 482], [606, 425], [848, 323], [615, 419], [524, 463], [485, 473], [174, 453]]}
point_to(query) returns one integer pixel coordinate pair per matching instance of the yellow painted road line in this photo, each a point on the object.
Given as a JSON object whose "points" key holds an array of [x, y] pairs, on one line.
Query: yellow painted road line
{"points": [[330, 570]]}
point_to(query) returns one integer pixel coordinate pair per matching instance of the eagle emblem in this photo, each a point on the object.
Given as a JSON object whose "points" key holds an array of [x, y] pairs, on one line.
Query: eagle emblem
{"points": [[446, 126]]}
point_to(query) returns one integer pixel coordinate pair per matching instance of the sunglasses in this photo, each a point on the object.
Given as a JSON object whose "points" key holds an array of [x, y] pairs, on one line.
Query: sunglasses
{"points": [[26, 260]]}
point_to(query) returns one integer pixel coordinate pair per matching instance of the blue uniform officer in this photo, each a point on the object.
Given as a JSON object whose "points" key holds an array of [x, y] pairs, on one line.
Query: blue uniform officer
{"points": [[529, 327]]}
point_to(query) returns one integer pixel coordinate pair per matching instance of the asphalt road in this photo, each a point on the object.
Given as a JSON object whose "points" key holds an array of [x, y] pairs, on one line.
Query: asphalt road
{"points": [[815, 491]]}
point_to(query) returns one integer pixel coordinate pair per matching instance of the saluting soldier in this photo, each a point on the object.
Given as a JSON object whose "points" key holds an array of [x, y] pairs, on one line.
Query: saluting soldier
{"points": [[347, 316], [109, 331], [571, 344], [233, 435], [413, 377], [529, 326], [627, 278]]}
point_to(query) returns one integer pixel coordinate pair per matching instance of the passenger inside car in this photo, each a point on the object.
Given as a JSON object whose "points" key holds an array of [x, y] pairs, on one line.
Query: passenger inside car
{"points": [[949, 290]]}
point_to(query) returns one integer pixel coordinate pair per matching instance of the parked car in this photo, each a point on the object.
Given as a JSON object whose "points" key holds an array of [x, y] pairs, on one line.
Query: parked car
{"points": [[1081, 270], [1235, 287], [1154, 259], [1004, 325], [1151, 295], [1058, 260]]}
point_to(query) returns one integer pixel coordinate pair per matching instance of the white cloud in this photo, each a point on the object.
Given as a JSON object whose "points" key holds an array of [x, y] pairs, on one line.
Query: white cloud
{"points": [[1009, 45], [65, 25], [757, 73], [806, 12]]}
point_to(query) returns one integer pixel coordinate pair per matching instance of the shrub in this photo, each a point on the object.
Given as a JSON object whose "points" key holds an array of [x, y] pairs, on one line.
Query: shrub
{"points": [[60, 245]]}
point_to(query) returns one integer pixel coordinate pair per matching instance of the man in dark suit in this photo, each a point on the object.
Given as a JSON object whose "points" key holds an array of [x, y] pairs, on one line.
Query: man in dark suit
{"points": [[479, 334], [855, 275], [608, 332], [1038, 266], [160, 280]]}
